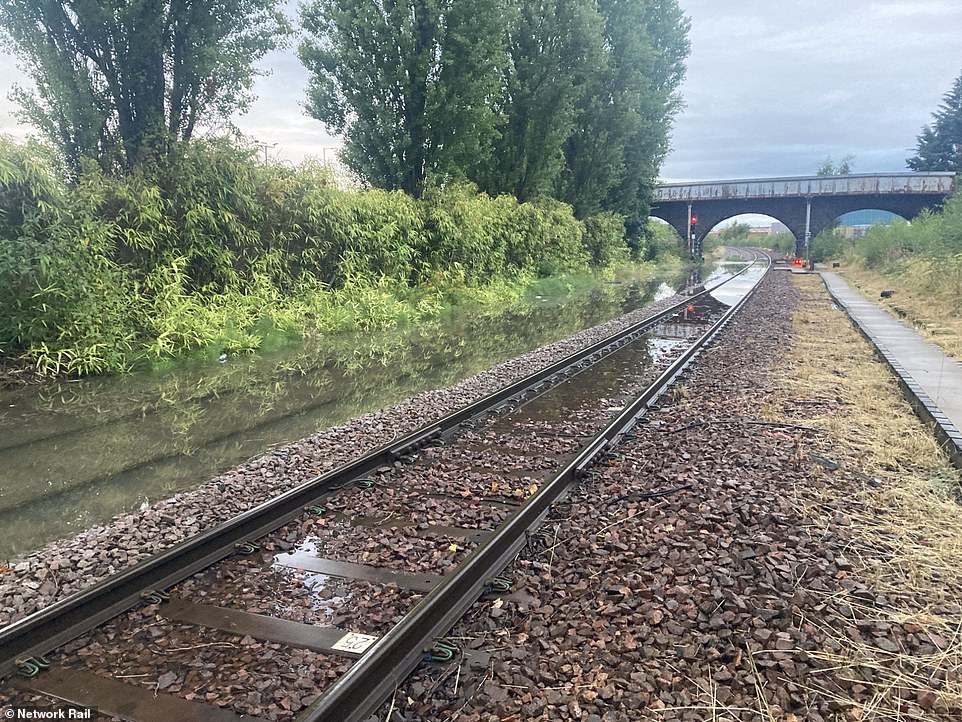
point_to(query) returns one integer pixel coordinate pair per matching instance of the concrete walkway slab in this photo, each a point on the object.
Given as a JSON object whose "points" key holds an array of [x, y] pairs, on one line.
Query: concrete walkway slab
{"points": [[931, 379]]}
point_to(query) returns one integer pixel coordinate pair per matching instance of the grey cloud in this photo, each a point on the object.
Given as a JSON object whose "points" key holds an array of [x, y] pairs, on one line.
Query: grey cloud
{"points": [[10, 75]]}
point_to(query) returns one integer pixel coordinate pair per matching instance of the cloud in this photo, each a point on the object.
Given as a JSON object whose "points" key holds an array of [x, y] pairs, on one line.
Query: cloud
{"points": [[900, 10], [276, 116], [10, 75]]}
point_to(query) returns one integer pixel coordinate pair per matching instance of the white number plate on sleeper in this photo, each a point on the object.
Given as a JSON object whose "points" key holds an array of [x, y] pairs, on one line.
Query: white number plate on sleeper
{"points": [[354, 642]]}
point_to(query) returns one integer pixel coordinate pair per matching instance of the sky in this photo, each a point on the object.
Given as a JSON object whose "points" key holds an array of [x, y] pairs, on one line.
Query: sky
{"points": [[773, 87]]}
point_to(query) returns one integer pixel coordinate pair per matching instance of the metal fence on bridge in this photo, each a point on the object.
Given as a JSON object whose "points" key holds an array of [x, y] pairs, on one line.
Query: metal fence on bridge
{"points": [[856, 184]]}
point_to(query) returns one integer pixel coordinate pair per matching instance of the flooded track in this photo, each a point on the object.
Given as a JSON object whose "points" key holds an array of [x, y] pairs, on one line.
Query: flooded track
{"points": [[74, 454], [344, 567]]}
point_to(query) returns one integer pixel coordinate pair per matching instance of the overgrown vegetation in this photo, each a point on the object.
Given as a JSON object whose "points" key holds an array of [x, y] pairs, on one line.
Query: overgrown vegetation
{"points": [[126, 240], [782, 243], [223, 253], [921, 261], [930, 237]]}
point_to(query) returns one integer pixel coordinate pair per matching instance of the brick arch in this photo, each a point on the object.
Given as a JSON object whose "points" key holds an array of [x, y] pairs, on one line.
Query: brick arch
{"points": [[711, 214], [709, 229], [875, 208], [788, 211]]}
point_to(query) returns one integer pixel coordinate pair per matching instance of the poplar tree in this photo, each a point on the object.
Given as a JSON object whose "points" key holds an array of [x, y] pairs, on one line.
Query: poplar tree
{"points": [[122, 81], [555, 52], [571, 99], [625, 108], [411, 85], [590, 95], [649, 46]]}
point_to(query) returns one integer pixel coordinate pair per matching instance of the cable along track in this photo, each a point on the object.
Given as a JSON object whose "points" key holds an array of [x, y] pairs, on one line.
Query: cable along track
{"points": [[548, 425]]}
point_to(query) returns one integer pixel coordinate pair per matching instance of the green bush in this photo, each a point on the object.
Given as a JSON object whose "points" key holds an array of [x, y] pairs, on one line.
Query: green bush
{"points": [[219, 251], [924, 255], [929, 237], [827, 244], [605, 239], [782, 243], [548, 239], [469, 233], [662, 240], [62, 297]]}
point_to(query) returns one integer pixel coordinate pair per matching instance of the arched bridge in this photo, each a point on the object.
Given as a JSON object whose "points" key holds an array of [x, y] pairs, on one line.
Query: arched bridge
{"points": [[806, 204]]}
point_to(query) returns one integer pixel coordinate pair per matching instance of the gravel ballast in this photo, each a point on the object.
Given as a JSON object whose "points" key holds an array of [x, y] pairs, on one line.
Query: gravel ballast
{"points": [[381, 525], [710, 568], [754, 549]]}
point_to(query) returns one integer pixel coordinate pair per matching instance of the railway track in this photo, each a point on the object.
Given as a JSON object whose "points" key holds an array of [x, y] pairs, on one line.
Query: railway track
{"points": [[405, 538]]}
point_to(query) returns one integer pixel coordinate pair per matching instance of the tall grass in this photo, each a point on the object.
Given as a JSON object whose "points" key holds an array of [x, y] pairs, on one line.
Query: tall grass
{"points": [[921, 262], [924, 255], [217, 251]]}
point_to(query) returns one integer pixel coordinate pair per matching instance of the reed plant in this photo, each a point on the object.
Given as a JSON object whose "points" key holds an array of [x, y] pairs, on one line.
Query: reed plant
{"points": [[218, 252]]}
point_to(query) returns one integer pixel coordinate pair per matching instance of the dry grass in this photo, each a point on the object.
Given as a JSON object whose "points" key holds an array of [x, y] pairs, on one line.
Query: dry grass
{"points": [[904, 538], [933, 311]]}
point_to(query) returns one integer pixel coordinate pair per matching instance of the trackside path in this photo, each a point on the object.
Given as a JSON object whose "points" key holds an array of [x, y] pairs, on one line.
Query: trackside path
{"points": [[933, 378]]}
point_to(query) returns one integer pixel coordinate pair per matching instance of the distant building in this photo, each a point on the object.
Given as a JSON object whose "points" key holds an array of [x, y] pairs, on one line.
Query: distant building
{"points": [[854, 224], [758, 232]]}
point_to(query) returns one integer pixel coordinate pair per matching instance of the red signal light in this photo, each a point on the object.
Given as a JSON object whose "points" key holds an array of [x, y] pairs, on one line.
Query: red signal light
{"points": [[694, 220]]}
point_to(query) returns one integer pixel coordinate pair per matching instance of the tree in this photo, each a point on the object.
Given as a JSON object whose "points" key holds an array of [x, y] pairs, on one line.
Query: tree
{"points": [[591, 94], [829, 168], [412, 85], [121, 81], [625, 112], [939, 145], [571, 99], [652, 96], [735, 233], [554, 50]]}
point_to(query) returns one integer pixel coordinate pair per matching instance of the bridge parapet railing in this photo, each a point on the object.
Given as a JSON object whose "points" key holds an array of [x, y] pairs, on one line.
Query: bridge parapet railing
{"points": [[865, 184]]}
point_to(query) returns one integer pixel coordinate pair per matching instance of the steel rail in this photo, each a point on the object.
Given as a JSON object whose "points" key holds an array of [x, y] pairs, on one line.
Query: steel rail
{"points": [[54, 625], [369, 682]]}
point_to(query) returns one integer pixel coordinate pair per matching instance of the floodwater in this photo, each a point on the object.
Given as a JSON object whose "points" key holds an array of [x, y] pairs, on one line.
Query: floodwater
{"points": [[74, 454]]}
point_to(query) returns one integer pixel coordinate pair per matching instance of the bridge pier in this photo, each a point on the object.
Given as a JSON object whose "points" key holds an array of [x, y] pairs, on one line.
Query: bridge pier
{"points": [[808, 231]]}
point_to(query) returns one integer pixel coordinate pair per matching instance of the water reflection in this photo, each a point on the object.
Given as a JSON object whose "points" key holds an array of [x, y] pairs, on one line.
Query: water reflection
{"points": [[74, 454], [731, 293]]}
